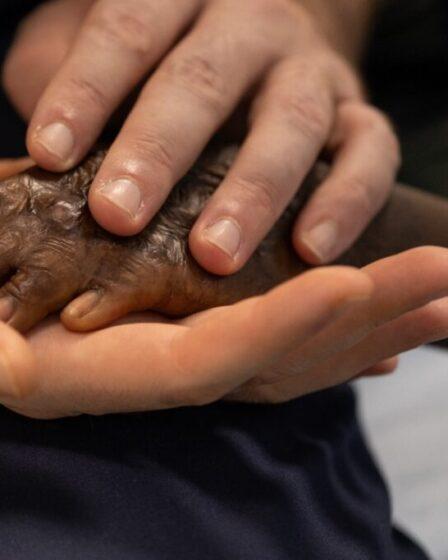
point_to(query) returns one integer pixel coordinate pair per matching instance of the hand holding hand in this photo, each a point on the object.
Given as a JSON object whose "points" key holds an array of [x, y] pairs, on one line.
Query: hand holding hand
{"points": [[313, 332], [203, 58]]}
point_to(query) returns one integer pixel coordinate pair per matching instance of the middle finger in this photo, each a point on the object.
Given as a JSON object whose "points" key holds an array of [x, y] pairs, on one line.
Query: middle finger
{"points": [[190, 95]]}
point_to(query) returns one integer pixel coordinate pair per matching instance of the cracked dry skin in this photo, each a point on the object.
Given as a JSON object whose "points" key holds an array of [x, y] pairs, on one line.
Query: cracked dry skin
{"points": [[52, 251]]}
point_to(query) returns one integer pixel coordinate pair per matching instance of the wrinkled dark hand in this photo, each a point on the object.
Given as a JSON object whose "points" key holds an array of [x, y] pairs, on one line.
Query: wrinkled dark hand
{"points": [[53, 252]]}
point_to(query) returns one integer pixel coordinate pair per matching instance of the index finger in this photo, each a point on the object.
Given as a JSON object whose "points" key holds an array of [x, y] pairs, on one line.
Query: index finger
{"points": [[117, 45]]}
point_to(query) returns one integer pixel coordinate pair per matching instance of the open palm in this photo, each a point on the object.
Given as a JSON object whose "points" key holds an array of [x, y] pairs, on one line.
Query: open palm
{"points": [[315, 331]]}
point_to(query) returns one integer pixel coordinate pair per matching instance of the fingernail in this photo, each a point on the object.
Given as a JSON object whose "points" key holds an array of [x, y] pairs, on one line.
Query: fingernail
{"points": [[125, 194], [7, 308], [224, 234], [57, 139], [322, 240], [82, 305]]}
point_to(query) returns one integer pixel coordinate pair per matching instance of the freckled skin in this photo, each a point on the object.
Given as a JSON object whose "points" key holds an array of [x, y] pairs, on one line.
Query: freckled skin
{"points": [[51, 249]]}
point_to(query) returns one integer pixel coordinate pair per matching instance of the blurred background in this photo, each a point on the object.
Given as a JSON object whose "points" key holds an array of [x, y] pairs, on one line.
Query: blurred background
{"points": [[406, 414], [406, 71]]}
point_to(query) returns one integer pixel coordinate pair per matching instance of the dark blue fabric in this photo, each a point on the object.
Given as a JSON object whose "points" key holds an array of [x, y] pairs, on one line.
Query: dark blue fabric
{"points": [[224, 482]]}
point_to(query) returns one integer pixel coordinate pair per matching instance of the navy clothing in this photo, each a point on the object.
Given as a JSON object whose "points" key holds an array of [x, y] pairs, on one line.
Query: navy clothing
{"points": [[227, 482], [230, 482]]}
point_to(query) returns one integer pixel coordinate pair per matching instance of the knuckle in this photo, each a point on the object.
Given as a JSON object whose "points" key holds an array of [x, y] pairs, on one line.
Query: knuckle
{"points": [[28, 286], [303, 95], [257, 190], [373, 117], [188, 387], [16, 288], [155, 149], [359, 196], [201, 77], [361, 114], [125, 27], [367, 117], [305, 114], [86, 91], [182, 391]]}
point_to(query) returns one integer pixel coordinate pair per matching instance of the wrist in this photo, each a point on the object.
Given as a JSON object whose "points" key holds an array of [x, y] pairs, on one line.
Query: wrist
{"points": [[344, 23]]}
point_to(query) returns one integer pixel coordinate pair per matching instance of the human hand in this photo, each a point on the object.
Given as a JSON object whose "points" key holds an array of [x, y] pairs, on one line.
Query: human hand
{"points": [[10, 167], [401, 315], [205, 57], [315, 331]]}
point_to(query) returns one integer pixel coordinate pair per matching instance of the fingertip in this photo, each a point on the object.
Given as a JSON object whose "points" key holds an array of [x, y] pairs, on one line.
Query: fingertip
{"points": [[389, 365], [75, 315], [385, 367], [211, 255], [319, 244], [53, 146], [80, 324], [113, 216], [306, 252]]}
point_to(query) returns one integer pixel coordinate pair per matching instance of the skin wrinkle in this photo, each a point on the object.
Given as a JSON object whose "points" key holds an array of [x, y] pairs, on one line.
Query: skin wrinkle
{"points": [[59, 252]]}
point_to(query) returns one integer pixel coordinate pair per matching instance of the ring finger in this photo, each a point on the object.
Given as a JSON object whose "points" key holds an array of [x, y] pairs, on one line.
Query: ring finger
{"points": [[289, 126]]}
